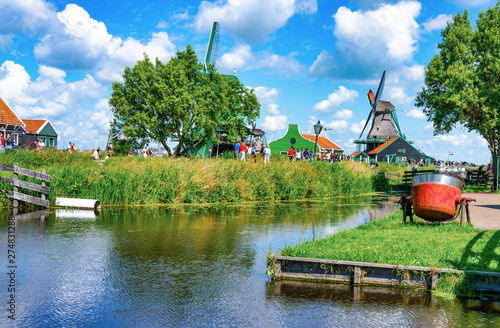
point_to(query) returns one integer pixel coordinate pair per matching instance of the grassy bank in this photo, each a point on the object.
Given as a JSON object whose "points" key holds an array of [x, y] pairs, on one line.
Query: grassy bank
{"points": [[138, 181], [419, 244]]}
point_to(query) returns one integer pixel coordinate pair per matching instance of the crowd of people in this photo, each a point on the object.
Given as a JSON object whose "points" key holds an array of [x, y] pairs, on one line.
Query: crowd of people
{"points": [[6, 143]]}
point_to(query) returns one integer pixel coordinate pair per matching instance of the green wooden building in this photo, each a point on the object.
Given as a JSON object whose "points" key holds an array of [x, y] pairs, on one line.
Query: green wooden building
{"points": [[41, 129], [294, 138]]}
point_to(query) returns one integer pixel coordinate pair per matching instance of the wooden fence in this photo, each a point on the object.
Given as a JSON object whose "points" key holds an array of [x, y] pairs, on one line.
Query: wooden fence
{"points": [[18, 196]]}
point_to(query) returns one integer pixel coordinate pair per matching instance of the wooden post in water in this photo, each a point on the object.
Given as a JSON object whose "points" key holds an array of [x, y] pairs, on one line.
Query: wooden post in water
{"points": [[15, 203]]}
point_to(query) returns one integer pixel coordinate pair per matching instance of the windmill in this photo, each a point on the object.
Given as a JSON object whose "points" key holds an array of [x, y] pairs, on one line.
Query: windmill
{"points": [[384, 124]]}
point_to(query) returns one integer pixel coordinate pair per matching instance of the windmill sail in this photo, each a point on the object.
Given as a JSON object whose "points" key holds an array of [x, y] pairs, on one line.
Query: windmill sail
{"points": [[373, 102], [213, 46]]}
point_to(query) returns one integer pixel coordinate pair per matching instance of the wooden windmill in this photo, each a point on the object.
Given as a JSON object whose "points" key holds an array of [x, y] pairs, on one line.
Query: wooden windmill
{"points": [[384, 124]]}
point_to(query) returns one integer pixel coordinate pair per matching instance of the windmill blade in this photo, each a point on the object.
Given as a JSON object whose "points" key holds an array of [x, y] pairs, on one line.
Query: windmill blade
{"points": [[213, 46], [367, 120], [379, 91]]}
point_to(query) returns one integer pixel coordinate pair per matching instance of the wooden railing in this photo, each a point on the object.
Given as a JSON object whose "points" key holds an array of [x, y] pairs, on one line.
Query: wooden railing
{"points": [[18, 196]]}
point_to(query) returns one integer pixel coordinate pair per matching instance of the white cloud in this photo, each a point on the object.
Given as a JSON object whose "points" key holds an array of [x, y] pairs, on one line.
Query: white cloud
{"points": [[266, 95], [242, 57], [274, 122], [79, 42], [429, 127], [13, 80], [437, 23], [29, 18], [273, 109], [357, 127], [414, 73], [251, 20], [344, 114], [461, 140], [416, 113], [162, 25], [323, 66], [336, 99], [180, 16], [367, 41]]}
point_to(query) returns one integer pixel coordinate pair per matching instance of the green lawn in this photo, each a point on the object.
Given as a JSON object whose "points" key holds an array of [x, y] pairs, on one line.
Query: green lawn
{"points": [[420, 244]]}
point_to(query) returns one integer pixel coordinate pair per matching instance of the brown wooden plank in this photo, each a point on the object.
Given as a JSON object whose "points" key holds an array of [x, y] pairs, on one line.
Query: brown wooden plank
{"points": [[8, 168], [29, 199], [31, 186], [32, 174], [8, 180]]}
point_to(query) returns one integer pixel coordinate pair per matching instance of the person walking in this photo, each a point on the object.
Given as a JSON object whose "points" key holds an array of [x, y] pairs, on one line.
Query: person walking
{"points": [[291, 153], [9, 144], [237, 149], [267, 154], [243, 151]]}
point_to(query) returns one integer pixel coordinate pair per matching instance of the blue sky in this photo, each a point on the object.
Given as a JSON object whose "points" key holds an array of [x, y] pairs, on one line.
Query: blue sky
{"points": [[307, 60]]}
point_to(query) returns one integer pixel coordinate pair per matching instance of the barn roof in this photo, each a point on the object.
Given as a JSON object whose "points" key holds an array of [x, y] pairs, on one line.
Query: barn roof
{"points": [[7, 115]]}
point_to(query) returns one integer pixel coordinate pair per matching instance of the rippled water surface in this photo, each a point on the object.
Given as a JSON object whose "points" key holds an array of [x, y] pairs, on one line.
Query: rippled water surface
{"points": [[203, 267]]}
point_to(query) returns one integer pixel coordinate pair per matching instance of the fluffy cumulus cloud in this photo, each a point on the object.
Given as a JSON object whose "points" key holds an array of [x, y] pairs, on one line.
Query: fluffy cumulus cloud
{"points": [[50, 96], [266, 95], [357, 127], [251, 20], [369, 40], [336, 99], [344, 114], [242, 57], [416, 113], [79, 42], [28, 18], [274, 122], [436, 23]]}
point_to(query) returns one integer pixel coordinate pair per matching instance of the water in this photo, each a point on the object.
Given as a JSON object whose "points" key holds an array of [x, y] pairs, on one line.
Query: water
{"points": [[202, 267]]}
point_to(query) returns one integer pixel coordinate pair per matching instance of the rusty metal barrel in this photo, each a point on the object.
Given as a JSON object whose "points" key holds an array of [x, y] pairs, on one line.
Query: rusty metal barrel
{"points": [[436, 196]]}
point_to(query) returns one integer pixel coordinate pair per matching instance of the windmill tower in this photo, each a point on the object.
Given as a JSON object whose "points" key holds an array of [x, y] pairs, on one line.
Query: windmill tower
{"points": [[384, 124]]}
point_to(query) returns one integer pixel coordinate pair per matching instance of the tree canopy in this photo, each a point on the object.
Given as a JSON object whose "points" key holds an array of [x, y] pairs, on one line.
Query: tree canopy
{"points": [[180, 101], [462, 82]]}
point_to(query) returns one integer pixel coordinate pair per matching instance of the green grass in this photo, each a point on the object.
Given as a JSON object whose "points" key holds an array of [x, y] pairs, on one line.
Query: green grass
{"points": [[419, 244], [146, 181]]}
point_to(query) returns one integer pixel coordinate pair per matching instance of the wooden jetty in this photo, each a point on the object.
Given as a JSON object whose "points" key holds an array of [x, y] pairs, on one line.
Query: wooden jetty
{"points": [[17, 183]]}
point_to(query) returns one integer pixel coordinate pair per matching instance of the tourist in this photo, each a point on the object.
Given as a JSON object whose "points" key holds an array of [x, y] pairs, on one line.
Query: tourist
{"points": [[306, 154], [2, 143], [490, 167], [262, 149], [414, 170], [70, 147], [41, 144], [236, 149], [99, 151], [291, 154], [298, 155], [243, 151], [267, 154], [95, 154], [8, 143], [372, 165]]}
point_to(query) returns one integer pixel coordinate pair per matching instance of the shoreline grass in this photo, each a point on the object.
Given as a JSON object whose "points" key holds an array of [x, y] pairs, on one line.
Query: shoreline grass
{"points": [[388, 241], [156, 180]]}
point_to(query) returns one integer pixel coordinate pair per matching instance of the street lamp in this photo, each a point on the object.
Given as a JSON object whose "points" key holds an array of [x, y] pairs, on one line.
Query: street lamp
{"points": [[317, 130]]}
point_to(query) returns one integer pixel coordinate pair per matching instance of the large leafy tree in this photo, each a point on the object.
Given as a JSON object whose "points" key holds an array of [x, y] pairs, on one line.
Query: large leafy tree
{"points": [[180, 101], [462, 82]]}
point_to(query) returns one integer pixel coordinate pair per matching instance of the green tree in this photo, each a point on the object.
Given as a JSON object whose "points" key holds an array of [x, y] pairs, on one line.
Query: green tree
{"points": [[462, 82], [179, 100]]}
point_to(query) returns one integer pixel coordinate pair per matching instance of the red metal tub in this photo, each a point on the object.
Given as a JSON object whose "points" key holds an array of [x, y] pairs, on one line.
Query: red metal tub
{"points": [[435, 196]]}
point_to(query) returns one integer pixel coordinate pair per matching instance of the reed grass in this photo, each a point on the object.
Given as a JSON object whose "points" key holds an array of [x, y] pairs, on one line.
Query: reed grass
{"points": [[156, 180]]}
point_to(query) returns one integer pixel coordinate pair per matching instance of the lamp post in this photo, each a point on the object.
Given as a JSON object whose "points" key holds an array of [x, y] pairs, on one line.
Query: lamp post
{"points": [[317, 130]]}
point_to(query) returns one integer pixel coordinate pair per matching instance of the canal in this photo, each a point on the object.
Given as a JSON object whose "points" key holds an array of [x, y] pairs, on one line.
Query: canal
{"points": [[197, 266]]}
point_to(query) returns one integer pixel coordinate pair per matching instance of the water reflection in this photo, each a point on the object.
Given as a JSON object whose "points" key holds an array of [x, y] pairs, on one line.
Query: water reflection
{"points": [[183, 266]]}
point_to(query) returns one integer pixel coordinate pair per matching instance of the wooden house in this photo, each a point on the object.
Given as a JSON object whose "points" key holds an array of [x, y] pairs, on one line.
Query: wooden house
{"points": [[398, 150], [40, 129], [11, 124], [298, 140]]}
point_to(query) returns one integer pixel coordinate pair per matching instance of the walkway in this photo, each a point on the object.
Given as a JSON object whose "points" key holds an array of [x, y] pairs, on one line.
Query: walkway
{"points": [[485, 212]]}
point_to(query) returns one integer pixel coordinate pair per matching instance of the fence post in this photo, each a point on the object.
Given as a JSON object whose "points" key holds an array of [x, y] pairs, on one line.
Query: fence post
{"points": [[43, 184], [15, 203]]}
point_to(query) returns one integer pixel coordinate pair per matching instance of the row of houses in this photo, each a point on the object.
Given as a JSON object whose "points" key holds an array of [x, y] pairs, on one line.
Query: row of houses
{"points": [[394, 150], [24, 131]]}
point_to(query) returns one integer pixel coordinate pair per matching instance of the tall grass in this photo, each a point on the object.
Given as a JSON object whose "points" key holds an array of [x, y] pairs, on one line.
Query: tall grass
{"points": [[137, 180]]}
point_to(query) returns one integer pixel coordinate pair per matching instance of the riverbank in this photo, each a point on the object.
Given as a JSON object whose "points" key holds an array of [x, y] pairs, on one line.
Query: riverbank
{"points": [[388, 241], [156, 180]]}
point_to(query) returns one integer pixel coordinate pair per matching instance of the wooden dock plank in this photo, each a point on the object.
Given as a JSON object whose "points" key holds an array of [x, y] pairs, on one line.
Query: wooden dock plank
{"points": [[27, 185], [29, 199]]}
